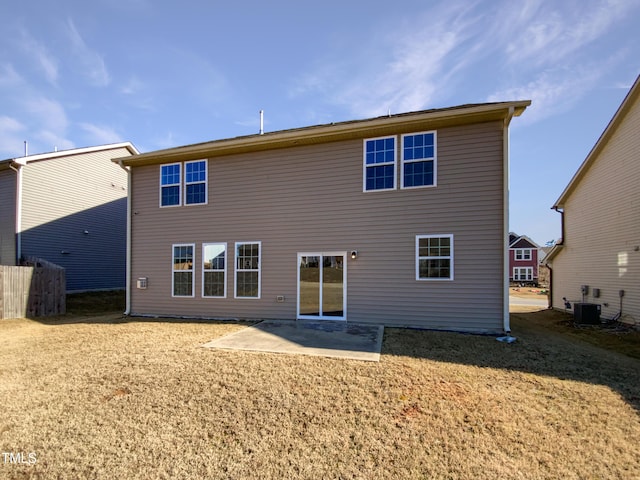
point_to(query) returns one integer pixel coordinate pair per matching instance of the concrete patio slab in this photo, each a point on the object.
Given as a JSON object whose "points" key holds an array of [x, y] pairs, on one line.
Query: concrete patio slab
{"points": [[320, 338]]}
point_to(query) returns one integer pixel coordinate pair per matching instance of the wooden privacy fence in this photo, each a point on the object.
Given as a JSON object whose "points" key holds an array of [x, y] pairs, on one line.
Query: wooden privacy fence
{"points": [[35, 289]]}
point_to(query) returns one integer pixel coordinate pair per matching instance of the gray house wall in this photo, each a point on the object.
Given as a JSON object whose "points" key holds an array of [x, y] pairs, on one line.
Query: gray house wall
{"points": [[310, 198], [65, 197], [7, 217]]}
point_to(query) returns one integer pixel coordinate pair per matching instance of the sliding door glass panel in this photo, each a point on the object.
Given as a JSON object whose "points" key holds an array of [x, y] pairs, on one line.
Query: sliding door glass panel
{"points": [[310, 285], [333, 286]]}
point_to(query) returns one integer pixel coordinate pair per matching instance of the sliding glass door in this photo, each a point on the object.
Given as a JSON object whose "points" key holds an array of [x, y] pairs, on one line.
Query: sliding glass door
{"points": [[322, 286]]}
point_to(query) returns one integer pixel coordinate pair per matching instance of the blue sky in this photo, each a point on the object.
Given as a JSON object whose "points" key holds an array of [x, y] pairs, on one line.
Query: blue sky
{"points": [[163, 74]]}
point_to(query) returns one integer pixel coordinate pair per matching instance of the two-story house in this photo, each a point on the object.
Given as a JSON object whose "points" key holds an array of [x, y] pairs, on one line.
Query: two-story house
{"points": [[398, 220], [70, 208], [523, 260], [597, 260]]}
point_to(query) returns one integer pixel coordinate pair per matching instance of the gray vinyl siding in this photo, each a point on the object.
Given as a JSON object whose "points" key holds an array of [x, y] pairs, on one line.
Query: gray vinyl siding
{"points": [[602, 228], [310, 198], [8, 217], [64, 197]]}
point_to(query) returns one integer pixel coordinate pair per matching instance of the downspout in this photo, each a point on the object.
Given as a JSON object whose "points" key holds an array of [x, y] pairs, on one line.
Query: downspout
{"points": [[561, 212], [127, 310], [18, 223], [550, 285], [561, 242], [505, 230]]}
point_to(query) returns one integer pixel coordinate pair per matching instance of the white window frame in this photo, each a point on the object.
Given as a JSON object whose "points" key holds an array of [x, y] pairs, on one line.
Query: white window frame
{"points": [[523, 254], [528, 274], [237, 270], [208, 270], [365, 166], [179, 185], [205, 182], [434, 159], [450, 257], [192, 270]]}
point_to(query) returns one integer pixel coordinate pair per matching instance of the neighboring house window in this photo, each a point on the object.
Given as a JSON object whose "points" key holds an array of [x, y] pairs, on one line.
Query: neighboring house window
{"points": [[380, 164], [182, 281], [523, 273], [170, 182], [434, 257], [419, 160], [523, 254], [214, 270], [195, 182], [247, 274]]}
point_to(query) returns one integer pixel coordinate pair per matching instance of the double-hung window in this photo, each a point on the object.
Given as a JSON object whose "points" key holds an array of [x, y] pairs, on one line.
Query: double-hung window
{"points": [[182, 270], [214, 270], [523, 274], [247, 271], [419, 160], [195, 182], [379, 164], [190, 178], [523, 254], [170, 184], [434, 257]]}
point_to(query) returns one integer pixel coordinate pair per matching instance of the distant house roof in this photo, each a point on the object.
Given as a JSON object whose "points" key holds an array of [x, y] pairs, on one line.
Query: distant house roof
{"points": [[379, 126], [626, 104], [521, 241], [5, 164]]}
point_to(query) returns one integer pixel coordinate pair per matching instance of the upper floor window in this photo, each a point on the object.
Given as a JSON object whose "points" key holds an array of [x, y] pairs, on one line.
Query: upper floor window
{"points": [[523, 254], [380, 164], [170, 183], [419, 160], [194, 180], [434, 257]]}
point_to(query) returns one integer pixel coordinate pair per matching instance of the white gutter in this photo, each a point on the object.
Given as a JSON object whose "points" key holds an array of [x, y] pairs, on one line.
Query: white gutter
{"points": [[505, 230], [18, 224], [127, 310]]}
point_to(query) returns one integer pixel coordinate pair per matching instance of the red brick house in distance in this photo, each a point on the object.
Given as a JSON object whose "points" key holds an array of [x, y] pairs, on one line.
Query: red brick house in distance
{"points": [[523, 260]]}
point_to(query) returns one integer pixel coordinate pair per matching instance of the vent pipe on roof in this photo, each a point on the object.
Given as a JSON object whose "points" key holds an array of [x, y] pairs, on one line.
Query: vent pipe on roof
{"points": [[261, 122], [26, 148]]}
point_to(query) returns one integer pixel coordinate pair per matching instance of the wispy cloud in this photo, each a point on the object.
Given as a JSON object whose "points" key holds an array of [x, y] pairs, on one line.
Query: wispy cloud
{"points": [[100, 134], [551, 93], [53, 140], [529, 49], [168, 140], [553, 31], [551, 52], [92, 63], [408, 69], [9, 76], [133, 86], [46, 112], [48, 122], [40, 55], [11, 142]]}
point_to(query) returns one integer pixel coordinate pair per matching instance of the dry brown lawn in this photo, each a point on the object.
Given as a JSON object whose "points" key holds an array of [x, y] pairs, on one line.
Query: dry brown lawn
{"points": [[104, 397]]}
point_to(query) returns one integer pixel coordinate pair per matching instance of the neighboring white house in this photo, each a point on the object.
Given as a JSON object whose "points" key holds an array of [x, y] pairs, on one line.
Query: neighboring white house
{"points": [[600, 207], [69, 208]]}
